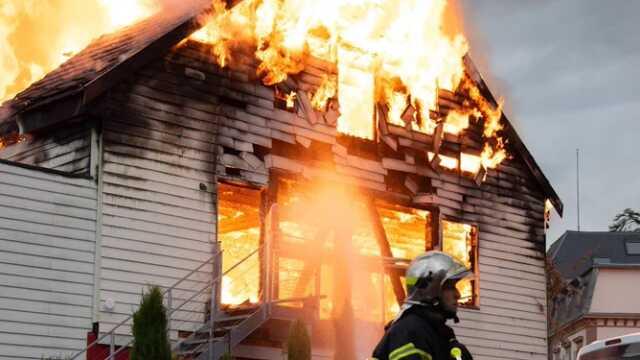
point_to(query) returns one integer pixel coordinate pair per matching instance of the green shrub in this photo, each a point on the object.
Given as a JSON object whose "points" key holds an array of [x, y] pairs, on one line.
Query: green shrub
{"points": [[150, 340], [298, 343]]}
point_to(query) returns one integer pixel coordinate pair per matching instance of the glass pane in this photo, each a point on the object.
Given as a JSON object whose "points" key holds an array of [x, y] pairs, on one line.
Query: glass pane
{"points": [[459, 241], [239, 235]]}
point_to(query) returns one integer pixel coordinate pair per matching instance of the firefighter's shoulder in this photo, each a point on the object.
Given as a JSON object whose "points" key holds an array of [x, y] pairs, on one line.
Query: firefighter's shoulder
{"points": [[410, 338]]}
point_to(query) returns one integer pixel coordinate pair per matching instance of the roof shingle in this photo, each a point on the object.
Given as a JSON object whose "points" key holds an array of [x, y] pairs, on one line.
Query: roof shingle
{"points": [[100, 56]]}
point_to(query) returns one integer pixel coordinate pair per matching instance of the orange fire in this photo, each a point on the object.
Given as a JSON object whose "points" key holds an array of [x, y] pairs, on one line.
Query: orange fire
{"points": [[326, 91], [458, 241], [381, 39], [399, 53], [38, 36]]}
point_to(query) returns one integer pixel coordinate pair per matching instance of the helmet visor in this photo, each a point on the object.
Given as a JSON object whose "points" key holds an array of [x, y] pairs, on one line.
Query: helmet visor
{"points": [[458, 273]]}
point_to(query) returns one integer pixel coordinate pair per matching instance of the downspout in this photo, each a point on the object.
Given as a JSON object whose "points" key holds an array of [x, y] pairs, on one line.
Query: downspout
{"points": [[96, 170]]}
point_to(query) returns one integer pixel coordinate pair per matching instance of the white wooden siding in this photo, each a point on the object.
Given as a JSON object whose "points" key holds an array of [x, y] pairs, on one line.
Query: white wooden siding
{"points": [[47, 243], [65, 149], [158, 213]]}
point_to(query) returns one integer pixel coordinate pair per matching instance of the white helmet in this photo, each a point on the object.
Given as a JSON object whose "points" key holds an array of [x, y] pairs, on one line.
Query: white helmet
{"points": [[427, 274], [425, 278]]}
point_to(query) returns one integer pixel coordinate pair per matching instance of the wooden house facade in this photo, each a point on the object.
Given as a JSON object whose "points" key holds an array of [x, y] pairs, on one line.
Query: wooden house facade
{"points": [[138, 170]]}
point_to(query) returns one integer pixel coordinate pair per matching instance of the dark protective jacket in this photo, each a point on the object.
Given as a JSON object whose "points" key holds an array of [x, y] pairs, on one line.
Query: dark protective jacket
{"points": [[419, 334]]}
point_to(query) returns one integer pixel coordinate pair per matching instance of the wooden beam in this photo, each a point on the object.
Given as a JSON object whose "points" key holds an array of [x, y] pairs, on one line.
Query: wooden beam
{"points": [[385, 251], [311, 264]]}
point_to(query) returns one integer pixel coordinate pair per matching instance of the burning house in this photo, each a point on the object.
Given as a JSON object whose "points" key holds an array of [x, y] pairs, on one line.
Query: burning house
{"points": [[264, 162]]}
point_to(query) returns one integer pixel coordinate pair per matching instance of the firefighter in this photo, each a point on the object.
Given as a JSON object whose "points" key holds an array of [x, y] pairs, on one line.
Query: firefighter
{"points": [[419, 331]]}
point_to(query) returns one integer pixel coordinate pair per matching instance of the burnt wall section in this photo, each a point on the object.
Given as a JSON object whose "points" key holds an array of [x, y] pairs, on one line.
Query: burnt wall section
{"points": [[158, 190], [66, 148], [255, 137]]}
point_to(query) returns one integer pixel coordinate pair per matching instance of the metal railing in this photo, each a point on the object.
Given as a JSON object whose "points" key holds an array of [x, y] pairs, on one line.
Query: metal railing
{"points": [[209, 325], [169, 292]]}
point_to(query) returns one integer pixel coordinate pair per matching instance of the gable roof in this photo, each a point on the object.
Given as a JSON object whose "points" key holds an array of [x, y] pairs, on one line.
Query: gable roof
{"points": [[576, 252], [64, 92]]}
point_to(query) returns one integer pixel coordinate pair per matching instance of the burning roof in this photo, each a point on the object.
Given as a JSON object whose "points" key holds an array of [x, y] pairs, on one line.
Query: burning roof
{"points": [[393, 53]]}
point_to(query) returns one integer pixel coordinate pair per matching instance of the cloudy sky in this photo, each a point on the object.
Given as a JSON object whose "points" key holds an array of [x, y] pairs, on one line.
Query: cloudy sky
{"points": [[570, 73]]}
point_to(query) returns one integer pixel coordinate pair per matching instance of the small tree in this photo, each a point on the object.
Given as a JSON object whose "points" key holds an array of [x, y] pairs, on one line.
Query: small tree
{"points": [[627, 220], [298, 343], [150, 340]]}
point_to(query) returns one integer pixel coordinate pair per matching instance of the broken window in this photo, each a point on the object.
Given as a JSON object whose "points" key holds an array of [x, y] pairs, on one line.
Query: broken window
{"points": [[408, 234], [408, 230], [461, 241], [239, 237], [321, 226]]}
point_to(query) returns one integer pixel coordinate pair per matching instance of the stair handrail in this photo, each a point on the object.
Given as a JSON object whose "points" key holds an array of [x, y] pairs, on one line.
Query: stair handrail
{"points": [[121, 323]]}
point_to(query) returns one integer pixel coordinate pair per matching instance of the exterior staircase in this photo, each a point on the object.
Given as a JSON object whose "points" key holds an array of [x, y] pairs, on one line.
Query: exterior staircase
{"points": [[218, 337], [211, 331]]}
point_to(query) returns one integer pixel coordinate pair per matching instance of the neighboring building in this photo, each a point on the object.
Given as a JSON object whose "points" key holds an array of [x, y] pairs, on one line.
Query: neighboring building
{"points": [[599, 299], [144, 158]]}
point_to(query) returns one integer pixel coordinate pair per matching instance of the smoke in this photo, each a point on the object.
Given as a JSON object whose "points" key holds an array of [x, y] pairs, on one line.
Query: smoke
{"points": [[331, 223]]}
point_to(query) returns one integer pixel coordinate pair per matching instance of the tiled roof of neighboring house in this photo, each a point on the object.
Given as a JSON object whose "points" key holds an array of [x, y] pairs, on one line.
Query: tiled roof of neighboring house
{"points": [[112, 57], [574, 252], [102, 56]]}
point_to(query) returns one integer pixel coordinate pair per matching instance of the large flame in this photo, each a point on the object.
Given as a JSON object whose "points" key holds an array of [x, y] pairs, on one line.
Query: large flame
{"points": [[36, 36], [373, 41], [397, 53]]}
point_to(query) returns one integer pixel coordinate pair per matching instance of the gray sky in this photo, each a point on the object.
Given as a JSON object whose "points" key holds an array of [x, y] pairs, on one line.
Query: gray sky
{"points": [[570, 74]]}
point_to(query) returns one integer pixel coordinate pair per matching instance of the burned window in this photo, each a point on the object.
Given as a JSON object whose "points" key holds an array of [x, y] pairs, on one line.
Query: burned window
{"points": [[299, 235], [315, 223], [336, 245], [239, 237], [408, 230], [284, 98], [461, 241]]}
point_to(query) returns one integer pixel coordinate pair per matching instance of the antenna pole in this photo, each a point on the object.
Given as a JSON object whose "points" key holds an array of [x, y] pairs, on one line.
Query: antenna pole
{"points": [[578, 184]]}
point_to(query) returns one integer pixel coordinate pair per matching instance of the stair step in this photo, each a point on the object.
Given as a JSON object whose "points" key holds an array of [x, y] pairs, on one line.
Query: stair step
{"points": [[231, 318], [200, 341]]}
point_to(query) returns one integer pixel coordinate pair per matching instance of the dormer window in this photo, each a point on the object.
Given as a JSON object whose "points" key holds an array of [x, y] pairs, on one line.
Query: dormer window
{"points": [[632, 247]]}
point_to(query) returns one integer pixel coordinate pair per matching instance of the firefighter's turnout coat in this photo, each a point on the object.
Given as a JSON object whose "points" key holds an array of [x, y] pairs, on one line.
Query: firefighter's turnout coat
{"points": [[420, 333]]}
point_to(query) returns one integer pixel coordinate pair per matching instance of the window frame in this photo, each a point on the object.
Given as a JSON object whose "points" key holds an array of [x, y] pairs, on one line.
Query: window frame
{"points": [[475, 304], [262, 210], [271, 190]]}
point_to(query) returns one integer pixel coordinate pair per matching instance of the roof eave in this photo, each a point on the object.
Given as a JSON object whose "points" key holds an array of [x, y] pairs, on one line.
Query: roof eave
{"points": [[516, 141], [72, 103]]}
